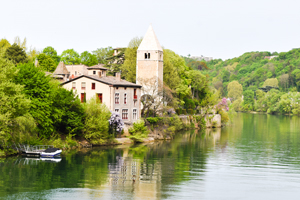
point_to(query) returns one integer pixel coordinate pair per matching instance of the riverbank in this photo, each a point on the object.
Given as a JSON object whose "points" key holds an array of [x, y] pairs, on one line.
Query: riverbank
{"points": [[159, 128]]}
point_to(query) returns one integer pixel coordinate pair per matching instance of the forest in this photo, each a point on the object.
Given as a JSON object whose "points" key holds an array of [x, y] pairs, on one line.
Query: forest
{"points": [[256, 81], [35, 109]]}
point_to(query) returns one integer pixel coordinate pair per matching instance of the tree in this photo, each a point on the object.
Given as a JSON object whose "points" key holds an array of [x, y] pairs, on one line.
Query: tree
{"points": [[37, 88], [198, 83], [273, 82], [21, 44], [235, 90], [67, 112], [284, 81], [248, 99], [88, 59], [4, 44], [70, 57], [14, 106], [46, 63], [96, 128], [129, 66], [16, 54], [32, 54], [50, 51], [115, 62], [172, 68], [103, 53]]}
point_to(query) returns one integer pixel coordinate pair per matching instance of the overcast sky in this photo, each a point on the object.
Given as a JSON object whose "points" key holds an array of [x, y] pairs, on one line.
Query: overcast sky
{"points": [[216, 28]]}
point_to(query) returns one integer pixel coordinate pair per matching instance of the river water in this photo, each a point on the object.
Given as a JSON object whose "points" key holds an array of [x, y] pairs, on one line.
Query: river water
{"points": [[258, 157]]}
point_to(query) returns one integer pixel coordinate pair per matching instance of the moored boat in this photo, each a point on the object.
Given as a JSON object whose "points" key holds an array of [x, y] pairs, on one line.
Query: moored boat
{"points": [[51, 152]]}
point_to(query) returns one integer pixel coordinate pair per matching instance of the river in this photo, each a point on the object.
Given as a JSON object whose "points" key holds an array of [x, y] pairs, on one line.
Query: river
{"points": [[258, 157]]}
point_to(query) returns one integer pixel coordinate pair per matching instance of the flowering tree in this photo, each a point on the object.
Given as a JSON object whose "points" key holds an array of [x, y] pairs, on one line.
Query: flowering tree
{"points": [[116, 123], [222, 105]]}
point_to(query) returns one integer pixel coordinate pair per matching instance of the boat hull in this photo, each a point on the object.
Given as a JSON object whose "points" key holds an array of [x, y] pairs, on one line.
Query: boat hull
{"points": [[51, 155]]}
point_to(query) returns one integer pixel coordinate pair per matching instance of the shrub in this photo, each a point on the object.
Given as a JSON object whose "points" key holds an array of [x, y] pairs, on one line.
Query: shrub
{"points": [[96, 124], [191, 111], [184, 111], [138, 131], [154, 120], [224, 116]]}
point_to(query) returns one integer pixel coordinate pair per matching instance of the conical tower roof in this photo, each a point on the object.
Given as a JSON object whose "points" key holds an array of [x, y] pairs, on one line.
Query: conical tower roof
{"points": [[61, 69], [150, 41]]}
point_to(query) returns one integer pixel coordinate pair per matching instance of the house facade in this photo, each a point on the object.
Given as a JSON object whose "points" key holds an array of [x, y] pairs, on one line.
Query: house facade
{"points": [[118, 95]]}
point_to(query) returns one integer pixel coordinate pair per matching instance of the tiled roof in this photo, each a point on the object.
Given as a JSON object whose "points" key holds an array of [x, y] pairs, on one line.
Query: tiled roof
{"points": [[110, 80], [61, 69], [99, 66]]}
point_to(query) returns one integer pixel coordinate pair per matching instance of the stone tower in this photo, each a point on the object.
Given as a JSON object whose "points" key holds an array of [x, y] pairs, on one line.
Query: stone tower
{"points": [[149, 63]]}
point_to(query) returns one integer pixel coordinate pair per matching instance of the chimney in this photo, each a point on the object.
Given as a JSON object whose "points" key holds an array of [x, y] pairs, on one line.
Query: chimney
{"points": [[118, 76]]}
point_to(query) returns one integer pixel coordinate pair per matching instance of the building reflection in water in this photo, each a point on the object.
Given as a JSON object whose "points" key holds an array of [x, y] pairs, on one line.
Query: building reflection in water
{"points": [[134, 176]]}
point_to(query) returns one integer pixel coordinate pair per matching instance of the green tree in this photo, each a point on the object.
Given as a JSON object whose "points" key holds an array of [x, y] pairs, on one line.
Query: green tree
{"points": [[16, 54], [50, 51], [96, 128], [235, 90], [88, 59], [70, 57], [103, 53], [14, 106], [4, 44], [37, 89], [67, 112], [173, 65], [129, 66], [115, 62], [248, 99], [273, 82], [46, 63]]}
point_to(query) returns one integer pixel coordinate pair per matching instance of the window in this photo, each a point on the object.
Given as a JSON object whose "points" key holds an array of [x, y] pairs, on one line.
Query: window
{"points": [[93, 86], [83, 85], [117, 88], [125, 98], [74, 85], [100, 97], [148, 55], [75, 72], [125, 88], [82, 99], [117, 110], [125, 114], [117, 97], [94, 72], [134, 114], [99, 74], [134, 94]]}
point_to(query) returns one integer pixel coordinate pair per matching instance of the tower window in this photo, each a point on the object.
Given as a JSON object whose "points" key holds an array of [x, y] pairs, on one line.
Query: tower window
{"points": [[146, 55], [94, 72]]}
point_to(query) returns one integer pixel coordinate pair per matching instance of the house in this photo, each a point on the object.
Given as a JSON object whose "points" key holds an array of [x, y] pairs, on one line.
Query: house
{"points": [[118, 95]]}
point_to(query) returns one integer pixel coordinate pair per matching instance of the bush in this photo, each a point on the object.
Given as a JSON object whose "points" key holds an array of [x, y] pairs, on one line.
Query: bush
{"points": [[184, 111], [138, 131], [154, 120], [224, 116], [191, 111], [96, 124]]}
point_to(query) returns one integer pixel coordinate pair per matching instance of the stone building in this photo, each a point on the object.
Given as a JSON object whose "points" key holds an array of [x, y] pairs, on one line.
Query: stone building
{"points": [[118, 95], [149, 63]]}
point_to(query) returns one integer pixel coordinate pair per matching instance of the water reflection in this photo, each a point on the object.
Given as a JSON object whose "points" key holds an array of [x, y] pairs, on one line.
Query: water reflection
{"points": [[257, 151]]}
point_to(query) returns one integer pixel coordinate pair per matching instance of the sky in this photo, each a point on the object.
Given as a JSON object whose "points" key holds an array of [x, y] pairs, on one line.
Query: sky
{"points": [[214, 28]]}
